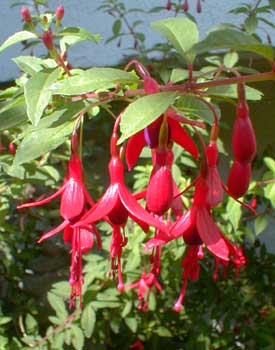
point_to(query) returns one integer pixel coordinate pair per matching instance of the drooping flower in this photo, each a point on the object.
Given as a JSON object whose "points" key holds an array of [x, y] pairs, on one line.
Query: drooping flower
{"points": [[239, 178], [117, 204], [74, 197]]}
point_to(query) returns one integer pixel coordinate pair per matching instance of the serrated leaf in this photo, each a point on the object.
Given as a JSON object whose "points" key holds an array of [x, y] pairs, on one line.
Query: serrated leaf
{"points": [[232, 39], [143, 112], [181, 32], [230, 59], [58, 305], [270, 163], [91, 80], [132, 324], [16, 38], [260, 224], [190, 105], [88, 319], [42, 141], [38, 95], [231, 91]]}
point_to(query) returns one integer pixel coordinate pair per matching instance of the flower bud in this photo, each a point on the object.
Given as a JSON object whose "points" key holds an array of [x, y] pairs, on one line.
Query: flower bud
{"points": [[243, 136], [12, 148], [239, 178], [169, 5], [185, 6], [199, 6], [25, 13], [47, 38], [59, 12]]}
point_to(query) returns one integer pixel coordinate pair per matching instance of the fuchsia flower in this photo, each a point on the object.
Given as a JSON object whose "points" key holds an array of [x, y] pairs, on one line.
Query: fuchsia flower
{"points": [[117, 204], [72, 206], [150, 135]]}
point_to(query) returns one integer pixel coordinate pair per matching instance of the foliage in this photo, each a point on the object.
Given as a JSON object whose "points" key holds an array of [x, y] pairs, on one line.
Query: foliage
{"points": [[38, 115]]}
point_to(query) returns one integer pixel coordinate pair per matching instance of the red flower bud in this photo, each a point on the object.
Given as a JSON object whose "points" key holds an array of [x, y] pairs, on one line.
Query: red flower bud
{"points": [[238, 179], [25, 13], [169, 5], [243, 136], [47, 38], [185, 6], [12, 148], [59, 12], [199, 9]]}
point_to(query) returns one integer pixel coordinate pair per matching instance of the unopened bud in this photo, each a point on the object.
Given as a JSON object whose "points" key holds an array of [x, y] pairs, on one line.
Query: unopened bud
{"points": [[169, 5], [47, 38], [25, 13], [12, 148], [59, 12], [185, 6], [199, 6]]}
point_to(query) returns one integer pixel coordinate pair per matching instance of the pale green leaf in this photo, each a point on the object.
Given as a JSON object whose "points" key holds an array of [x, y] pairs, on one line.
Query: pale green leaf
{"points": [[16, 38], [87, 321], [163, 332], [58, 305], [232, 39], [181, 32], [79, 34], [42, 141], [32, 64], [91, 80], [143, 112], [250, 24], [77, 337], [231, 92], [13, 113], [38, 95], [230, 59], [234, 212], [4, 320], [127, 309], [270, 163]]}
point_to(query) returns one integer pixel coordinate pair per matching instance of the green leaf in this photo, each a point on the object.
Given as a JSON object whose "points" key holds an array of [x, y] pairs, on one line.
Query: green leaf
{"points": [[105, 304], [250, 24], [13, 113], [133, 263], [127, 309], [231, 92], [260, 224], [116, 27], [42, 141], [91, 80], [4, 320], [131, 322], [193, 107], [272, 4], [58, 305], [143, 112], [230, 59], [270, 163], [79, 34], [232, 39], [87, 321], [58, 341], [269, 193], [77, 337], [31, 324], [181, 32], [163, 332], [234, 212], [38, 95], [16, 38], [32, 64]]}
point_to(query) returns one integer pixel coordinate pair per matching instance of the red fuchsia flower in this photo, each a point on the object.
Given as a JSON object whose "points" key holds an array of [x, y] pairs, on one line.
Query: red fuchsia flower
{"points": [[150, 135], [25, 13], [72, 206], [117, 204], [148, 281], [137, 345]]}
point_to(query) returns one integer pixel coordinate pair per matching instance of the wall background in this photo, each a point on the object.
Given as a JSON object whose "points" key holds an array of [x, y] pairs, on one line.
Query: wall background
{"points": [[83, 13]]}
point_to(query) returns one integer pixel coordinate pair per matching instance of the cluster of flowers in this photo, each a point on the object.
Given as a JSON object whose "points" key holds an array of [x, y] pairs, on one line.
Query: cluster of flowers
{"points": [[165, 210]]}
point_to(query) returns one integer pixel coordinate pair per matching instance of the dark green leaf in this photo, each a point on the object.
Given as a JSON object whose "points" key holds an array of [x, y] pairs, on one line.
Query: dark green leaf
{"points": [[272, 4], [13, 113], [116, 27], [250, 24], [190, 105], [91, 80], [16, 38], [38, 95], [163, 332], [181, 32], [143, 112], [127, 309]]}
